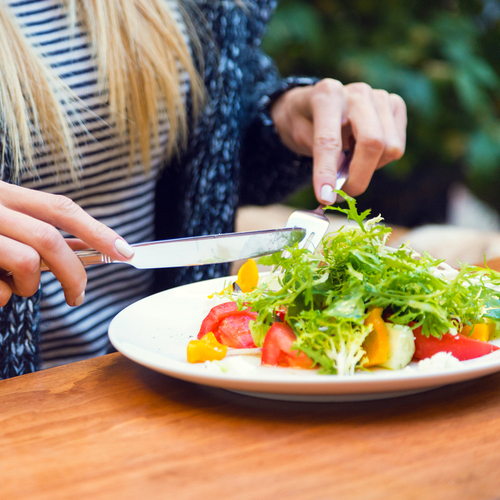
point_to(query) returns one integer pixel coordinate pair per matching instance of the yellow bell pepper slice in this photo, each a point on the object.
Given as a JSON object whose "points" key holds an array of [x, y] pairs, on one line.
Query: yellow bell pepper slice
{"points": [[479, 331], [248, 276], [376, 344], [207, 348]]}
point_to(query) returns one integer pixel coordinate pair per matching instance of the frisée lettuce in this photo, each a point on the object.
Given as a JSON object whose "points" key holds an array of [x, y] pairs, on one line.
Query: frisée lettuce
{"points": [[327, 295]]}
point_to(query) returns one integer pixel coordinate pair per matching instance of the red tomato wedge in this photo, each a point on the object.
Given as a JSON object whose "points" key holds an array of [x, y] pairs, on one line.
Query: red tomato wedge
{"points": [[230, 326], [277, 349], [460, 346], [234, 331]]}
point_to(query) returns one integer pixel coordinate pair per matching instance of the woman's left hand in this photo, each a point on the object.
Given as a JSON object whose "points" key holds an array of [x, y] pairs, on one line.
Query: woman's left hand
{"points": [[321, 121]]}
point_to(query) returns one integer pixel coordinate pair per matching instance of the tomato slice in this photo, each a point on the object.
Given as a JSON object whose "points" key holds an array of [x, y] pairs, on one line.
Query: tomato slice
{"points": [[234, 331], [215, 315], [460, 346], [277, 349], [280, 314], [230, 326]]}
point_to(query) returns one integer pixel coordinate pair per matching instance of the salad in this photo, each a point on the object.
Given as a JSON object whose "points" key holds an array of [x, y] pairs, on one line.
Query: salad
{"points": [[353, 304]]}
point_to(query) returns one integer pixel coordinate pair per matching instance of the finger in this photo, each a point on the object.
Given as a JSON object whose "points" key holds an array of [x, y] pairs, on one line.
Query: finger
{"points": [[399, 112], [5, 293], [24, 264], [303, 136], [42, 241], [76, 244], [327, 105], [369, 135], [394, 144], [292, 120], [63, 213]]}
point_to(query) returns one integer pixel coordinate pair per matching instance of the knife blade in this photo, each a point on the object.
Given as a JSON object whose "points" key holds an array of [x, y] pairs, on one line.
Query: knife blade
{"points": [[200, 250]]}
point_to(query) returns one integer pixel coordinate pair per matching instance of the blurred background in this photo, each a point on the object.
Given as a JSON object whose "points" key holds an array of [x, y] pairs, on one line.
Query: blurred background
{"points": [[443, 58]]}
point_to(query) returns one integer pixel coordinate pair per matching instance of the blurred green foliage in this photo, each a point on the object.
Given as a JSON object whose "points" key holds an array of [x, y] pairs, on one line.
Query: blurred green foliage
{"points": [[442, 57]]}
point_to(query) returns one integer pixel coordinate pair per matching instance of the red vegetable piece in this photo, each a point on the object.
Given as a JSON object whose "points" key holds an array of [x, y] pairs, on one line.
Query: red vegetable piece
{"points": [[214, 317], [234, 331], [460, 346], [280, 314], [277, 349], [230, 326]]}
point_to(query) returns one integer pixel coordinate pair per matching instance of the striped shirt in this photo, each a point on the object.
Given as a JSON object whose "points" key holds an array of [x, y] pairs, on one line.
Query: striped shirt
{"points": [[122, 199]]}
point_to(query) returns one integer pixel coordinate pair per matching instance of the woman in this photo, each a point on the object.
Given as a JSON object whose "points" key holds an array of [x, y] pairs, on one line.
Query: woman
{"points": [[97, 98]]}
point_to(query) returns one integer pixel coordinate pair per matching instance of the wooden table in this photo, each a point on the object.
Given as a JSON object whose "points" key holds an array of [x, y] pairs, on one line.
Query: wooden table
{"points": [[110, 429]]}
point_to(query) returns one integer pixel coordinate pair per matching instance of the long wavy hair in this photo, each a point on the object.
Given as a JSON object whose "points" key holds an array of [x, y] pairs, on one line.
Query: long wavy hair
{"points": [[140, 52]]}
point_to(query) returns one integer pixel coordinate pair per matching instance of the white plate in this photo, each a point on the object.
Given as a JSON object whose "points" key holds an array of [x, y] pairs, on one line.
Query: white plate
{"points": [[155, 331]]}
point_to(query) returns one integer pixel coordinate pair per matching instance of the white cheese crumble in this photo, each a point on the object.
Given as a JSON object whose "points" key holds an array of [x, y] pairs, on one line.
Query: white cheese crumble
{"points": [[440, 361], [235, 365]]}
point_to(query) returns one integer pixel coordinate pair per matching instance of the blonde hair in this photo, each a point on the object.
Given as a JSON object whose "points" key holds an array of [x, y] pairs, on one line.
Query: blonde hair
{"points": [[141, 54]]}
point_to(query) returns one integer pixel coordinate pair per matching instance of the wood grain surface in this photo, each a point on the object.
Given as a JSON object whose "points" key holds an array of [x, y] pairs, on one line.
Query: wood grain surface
{"points": [[111, 429]]}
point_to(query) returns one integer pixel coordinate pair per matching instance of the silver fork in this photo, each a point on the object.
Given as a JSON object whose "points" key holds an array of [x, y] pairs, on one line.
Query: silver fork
{"points": [[314, 221]]}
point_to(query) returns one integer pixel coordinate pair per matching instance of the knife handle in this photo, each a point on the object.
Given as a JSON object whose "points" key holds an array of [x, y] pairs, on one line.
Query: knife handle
{"points": [[88, 257]]}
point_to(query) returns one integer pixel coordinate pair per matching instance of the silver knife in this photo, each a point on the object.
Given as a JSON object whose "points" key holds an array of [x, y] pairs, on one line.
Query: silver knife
{"points": [[200, 250]]}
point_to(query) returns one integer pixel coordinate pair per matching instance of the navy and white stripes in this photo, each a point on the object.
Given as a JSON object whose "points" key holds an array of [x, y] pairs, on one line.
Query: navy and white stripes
{"points": [[234, 155], [120, 197]]}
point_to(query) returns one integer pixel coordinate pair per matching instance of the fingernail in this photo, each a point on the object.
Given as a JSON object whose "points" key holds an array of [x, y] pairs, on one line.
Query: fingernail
{"points": [[327, 194], [79, 300], [124, 248]]}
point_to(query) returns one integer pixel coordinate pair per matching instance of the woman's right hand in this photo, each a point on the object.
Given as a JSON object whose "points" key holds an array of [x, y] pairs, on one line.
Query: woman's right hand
{"points": [[320, 120], [28, 222]]}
